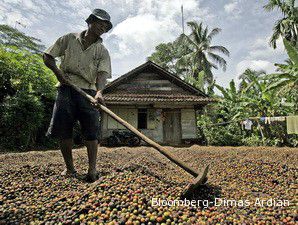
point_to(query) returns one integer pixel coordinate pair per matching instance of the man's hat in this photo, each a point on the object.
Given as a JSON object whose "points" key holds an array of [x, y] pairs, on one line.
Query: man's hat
{"points": [[102, 15]]}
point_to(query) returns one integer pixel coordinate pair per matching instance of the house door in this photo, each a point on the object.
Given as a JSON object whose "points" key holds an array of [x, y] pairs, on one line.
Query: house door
{"points": [[172, 126]]}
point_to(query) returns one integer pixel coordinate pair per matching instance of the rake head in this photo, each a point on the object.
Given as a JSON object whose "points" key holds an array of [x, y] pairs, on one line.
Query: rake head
{"points": [[200, 180]]}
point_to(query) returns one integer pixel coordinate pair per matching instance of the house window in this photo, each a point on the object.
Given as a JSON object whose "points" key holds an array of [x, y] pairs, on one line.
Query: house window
{"points": [[142, 118]]}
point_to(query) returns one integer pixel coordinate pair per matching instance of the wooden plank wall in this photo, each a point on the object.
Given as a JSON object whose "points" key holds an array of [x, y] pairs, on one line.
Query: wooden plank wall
{"points": [[188, 124], [149, 82], [129, 114], [155, 123]]}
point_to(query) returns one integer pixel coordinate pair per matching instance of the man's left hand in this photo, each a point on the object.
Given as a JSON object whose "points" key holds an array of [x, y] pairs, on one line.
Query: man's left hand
{"points": [[98, 97]]}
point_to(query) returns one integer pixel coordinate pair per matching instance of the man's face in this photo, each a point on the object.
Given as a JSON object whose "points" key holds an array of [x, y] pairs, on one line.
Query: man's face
{"points": [[98, 27]]}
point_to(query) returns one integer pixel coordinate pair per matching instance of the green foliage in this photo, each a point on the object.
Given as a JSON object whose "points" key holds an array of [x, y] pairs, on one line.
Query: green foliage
{"points": [[259, 95], [198, 52], [286, 82], [27, 93], [287, 27], [292, 52], [21, 117], [253, 99], [12, 37], [253, 140], [165, 56], [192, 56], [293, 141], [23, 71], [227, 135]]}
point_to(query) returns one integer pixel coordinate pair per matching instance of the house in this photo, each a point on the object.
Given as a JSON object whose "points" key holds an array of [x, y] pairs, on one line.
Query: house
{"points": [[159, 104]]}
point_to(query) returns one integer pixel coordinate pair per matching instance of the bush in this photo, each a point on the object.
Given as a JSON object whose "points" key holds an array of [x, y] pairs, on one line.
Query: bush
{"points": [[41, 140], [22, 115], [27, 93], [293, 140], [226, 135], [231, 134], [253, 140]]}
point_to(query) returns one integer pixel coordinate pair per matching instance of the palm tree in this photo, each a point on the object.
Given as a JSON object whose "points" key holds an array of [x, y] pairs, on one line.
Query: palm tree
{"points": [[286, 27], [197, 53]]}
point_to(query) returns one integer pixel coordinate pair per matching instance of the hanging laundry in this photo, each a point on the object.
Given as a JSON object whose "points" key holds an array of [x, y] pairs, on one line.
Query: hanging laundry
{"points": [[292, 124], [278, 118], [267, 120], [262, 119], [247, 124]]}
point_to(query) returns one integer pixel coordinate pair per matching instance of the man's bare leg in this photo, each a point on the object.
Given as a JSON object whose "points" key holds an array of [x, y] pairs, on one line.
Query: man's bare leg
{"points": [[66, 149], [92, 155]]}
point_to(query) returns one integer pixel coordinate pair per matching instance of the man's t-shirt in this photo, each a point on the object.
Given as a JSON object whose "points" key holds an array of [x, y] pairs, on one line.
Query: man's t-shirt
{"points": [[82, 66]]}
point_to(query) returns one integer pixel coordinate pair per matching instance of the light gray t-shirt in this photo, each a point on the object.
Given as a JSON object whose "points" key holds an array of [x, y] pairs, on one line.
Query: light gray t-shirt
{"points": [[82, 66]]}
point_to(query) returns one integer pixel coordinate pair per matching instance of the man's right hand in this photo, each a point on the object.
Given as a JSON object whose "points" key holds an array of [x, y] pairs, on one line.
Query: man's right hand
{"points": [[50, 63], [62, 78]]}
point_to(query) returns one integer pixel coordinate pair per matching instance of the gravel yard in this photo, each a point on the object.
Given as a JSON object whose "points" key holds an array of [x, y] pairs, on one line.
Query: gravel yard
{"points": [[247, 185]]}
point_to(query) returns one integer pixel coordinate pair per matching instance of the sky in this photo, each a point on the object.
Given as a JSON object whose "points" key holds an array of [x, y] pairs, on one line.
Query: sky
{"points": [[139, 26]]}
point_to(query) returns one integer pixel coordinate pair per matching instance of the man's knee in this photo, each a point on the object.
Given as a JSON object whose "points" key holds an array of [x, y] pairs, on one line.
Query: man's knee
{"points": [[66, 142], [91, 137]]}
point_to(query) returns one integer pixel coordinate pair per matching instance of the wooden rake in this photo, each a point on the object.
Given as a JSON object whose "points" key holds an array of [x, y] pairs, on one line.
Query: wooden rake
{"points": [[199, 178]]}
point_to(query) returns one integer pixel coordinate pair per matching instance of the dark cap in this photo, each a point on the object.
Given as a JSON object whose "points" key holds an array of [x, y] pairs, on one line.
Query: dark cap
{"points": [[102, 15]]}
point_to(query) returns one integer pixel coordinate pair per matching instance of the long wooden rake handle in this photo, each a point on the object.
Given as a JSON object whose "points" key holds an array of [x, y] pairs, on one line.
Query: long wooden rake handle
{"points": [[158, 147]]}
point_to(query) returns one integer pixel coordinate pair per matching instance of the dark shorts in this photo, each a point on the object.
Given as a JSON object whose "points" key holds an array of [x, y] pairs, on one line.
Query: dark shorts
{"points": [[70, 107]]}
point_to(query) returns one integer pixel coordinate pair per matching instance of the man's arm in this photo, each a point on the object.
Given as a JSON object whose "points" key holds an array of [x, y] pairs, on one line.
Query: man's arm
{"points": [[101, 80], [104, 72], [100, 84], [56, 50], [49, 61]]}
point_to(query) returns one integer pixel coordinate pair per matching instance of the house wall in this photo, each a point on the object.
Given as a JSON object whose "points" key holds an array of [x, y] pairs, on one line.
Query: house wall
{"points": [[149, 82], [188, 124], [154, 122], [130, 114]]}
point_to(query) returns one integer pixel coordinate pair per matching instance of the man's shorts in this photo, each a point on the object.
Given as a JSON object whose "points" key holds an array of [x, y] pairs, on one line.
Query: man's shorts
{"points": [[70, 107]]}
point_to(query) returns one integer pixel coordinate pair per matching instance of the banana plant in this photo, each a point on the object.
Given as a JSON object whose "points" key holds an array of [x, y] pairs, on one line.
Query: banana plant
{"points": [[286, 81], [231, 106]]}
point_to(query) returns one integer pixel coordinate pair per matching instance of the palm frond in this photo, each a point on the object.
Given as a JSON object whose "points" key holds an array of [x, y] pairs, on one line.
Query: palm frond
{"points": [[276, 33], [213, 65], [194, 25], [188, 42], [205, 34], [214, 32], [283, 76], [218, 48], [272, 4], [283, 6], [218, 59]]}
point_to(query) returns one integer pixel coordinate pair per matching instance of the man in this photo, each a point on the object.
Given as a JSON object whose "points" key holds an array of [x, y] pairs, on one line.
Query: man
{"points": [[85, 62]]}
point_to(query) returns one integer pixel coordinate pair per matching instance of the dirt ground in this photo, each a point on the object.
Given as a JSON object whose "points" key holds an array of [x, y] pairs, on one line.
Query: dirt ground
{"points": [[246, 185]]}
